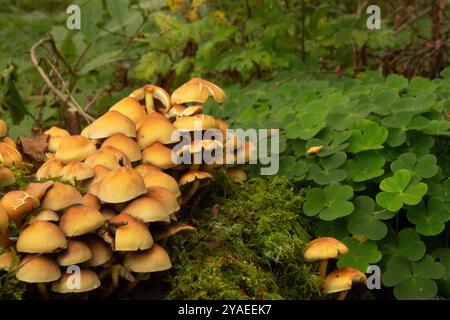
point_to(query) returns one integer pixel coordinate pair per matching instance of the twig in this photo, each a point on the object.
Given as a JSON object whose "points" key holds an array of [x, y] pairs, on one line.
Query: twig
{"points": [[94, 99], [64, 98]]}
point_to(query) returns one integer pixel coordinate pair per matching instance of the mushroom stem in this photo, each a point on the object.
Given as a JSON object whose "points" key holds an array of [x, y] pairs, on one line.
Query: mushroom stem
{"points": [[149, 104], [342, 295], [191, 192], [323, 268], [42, 288], [133, 284]]}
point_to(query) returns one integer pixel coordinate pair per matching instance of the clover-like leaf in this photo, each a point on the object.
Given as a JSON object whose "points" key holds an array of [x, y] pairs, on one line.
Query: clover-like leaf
{"points": [[443, 256], [360, 254], [397, 191], [332, 141], [424, 167], [367, 135], [336, 229], [291, 167], [344, 118], [328, 171], [406, 244], [365, 221], [365, 166], [413, 281], [429, 220], [330, 202], [306, 125]]}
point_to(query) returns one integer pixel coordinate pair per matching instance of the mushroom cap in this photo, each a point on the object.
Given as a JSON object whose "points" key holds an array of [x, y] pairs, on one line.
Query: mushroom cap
{"points": [[161, 179], [343, 279], [222, 125], [191, 176], [92, 201], [10, 141], [74, 148], [108, 213], [54, 142], [57, 132], [88, 281], [3, 128], [126, 145], [38, 269], [198, 90], [109, 157], [50, 169], [182, 111], [147, 209], [4, 218], [38, 189], [324, 248], [162, 232], [198, 122], [76, 171], [131, 108], [158, 93], [85, 132], [111, 123], [120, 185], [158, 155], [145, 168], [151, 115], [6, 261], [236, 174], [77, 252], [165, 197], [61, 196], [6, 177], [154, 129], [152, 260], [81, 219], [18, 202], [9, 156], [41, 237], [132, 236], [100, 250], [45, 215]]}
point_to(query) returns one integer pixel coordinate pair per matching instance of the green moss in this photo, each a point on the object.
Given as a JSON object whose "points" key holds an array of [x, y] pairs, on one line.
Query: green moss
{"points": [[248, 246]]}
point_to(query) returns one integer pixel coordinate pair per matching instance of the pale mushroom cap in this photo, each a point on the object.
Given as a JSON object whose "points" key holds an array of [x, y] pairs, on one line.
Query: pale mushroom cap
{"points": [[41, 237], [132, 236], [54, 142], [38, 189], [198, 122], [125, 144], [108, 157], [18, 202], [91, 201], [79, 220], [191, 176], [165, 197], [158, 155], [324, 248], [120, 185], [77, 252], [9, 156], [85, 132], [57, 132], [88, 281], [198, 90], [151, 115], [76, 171], [10, 141], [186, 112], [6, 261], [147, 209], [74, 148], [61, 196], [50, 169], [3, 128], [6, 177], [154, 129], [238, 175], [4, 218], [100, 250], [45, 215], [131, 108], [111, 123], [152, 260], [343, 279], [38, 269], [159, 94], [161, 179], [145, 168]]}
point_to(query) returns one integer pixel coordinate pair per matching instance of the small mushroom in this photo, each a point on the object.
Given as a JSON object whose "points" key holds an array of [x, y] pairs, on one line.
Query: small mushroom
{"points": [[126, 145], [131, 108], [161, 179], [322, 249], [88, 281], [41, 237], [158, 155], [74, 148], [61, 196], [121, 185], [79, 220], [111, 123], [342, 280], [193, 178]]}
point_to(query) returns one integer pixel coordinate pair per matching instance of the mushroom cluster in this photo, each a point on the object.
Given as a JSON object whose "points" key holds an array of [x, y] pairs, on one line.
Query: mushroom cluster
{"points": [[340, 280], [106, 200]]}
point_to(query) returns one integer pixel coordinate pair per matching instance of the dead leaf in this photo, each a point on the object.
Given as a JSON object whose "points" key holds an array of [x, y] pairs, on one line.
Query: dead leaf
{"points": [[34, 148]]}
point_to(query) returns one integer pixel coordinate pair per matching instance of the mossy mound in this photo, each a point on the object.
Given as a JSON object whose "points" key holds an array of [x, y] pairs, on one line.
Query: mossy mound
{"points": [[248, 246]]}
